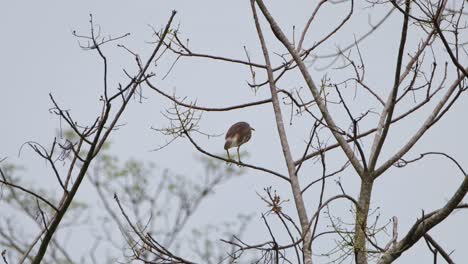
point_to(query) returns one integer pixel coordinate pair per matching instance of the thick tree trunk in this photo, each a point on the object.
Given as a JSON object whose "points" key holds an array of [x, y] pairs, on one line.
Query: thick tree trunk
{"points": [[361, 219]]}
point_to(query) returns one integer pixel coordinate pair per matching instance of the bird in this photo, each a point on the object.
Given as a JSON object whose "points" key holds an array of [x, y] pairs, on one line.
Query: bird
{"points": [[237, 134]]}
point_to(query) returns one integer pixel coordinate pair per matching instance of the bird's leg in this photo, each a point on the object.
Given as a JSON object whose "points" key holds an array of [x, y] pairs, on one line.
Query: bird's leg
{"points": [[229, 157], [238, 154]]}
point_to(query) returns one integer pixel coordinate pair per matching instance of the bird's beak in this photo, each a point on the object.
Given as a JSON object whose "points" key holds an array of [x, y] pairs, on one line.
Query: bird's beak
{"points": [[252, 129]]}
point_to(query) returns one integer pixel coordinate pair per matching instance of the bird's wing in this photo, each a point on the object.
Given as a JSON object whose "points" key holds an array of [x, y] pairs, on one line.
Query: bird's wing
{"points": [[234, 129]]}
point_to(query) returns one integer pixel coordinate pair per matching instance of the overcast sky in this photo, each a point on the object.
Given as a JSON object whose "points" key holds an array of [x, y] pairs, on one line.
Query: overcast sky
{"points": [[39, 55]]}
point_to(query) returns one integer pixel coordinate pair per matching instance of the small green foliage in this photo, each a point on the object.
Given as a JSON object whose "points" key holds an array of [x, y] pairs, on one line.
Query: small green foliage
{"points": [[78, 205], [70, 134]]}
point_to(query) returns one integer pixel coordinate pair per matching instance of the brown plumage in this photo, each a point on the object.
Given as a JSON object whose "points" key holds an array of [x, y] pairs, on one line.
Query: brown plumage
{"points": [[237, 134]]}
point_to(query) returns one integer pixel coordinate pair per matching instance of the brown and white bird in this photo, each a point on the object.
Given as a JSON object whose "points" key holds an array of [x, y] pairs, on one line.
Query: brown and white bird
{"points": [[237, 134]]}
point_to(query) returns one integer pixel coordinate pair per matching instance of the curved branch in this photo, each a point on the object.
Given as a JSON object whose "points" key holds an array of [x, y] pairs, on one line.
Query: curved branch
{"points": [[422, 155], [233, 161], [12, 185], [208, 109]]}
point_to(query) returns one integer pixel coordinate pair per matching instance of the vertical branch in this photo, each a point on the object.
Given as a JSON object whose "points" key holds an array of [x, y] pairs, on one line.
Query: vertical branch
{"points": [[387, 114], [335, 130], [296, 189]]}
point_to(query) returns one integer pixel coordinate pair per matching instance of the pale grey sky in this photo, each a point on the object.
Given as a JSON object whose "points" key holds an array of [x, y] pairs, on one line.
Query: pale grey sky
{"points": [[39, 55]]}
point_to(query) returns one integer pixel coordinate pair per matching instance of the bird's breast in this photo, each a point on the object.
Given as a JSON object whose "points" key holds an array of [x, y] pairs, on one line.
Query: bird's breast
{"points": [[232, 142]]}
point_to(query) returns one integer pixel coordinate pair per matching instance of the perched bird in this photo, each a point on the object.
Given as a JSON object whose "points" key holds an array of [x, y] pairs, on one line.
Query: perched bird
{"points": [[237, 134]]}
